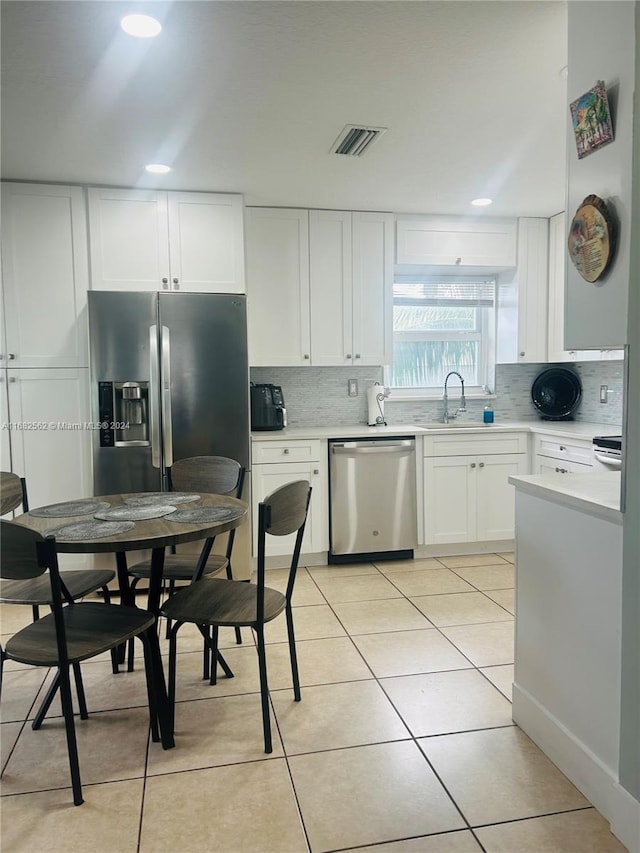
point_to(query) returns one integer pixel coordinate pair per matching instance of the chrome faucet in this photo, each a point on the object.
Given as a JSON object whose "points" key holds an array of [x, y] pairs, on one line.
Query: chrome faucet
{"points": [[448, 416]]}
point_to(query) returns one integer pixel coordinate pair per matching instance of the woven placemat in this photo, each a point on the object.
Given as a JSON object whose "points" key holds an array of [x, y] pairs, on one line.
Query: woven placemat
{"points": [[205, 513], [69, 508], [162, 498], [90, 530], [134, 513]]}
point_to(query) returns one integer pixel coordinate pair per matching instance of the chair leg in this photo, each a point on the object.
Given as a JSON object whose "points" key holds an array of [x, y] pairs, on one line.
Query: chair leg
{"points": [[82, 702], [264, 688], [163, 707], [35, 610], [293, 654], [151, 689], [237, 629], [70, 729], [171, 689], [130, 653], [206, 661], [210, 634], [172, 589], [46, 702], [106, 595], [115, 666]]}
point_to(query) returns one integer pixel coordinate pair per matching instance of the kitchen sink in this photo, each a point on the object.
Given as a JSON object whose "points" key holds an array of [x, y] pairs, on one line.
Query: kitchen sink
{"points": [[460, 425]]}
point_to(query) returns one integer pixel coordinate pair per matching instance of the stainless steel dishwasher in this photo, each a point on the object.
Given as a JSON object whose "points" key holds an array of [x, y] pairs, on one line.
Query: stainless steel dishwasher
{"points": [[372, 507]]}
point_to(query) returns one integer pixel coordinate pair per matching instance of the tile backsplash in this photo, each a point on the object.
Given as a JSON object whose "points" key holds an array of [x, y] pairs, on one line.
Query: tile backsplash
{"points": [[318, 395]]}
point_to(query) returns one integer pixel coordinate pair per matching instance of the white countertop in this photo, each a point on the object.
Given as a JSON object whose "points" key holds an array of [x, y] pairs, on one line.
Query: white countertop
{"points": [[594, 494], [565, 429]]}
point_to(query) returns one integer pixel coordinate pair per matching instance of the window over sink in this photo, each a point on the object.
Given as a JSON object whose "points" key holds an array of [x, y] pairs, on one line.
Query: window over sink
{"points": [[441, 324]]}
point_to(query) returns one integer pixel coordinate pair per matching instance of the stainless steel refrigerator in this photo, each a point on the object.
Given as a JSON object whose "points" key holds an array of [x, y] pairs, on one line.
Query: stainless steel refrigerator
{"points": [[169, 380]]}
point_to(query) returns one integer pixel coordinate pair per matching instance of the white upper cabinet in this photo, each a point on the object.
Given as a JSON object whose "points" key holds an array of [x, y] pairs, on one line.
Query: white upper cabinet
{"points": [[372, 282], [523, 297], [278, 287], [147, 240], [331, 284], [557, 283], [326, 277], [45, 276], [351, 279], [456, 241]]}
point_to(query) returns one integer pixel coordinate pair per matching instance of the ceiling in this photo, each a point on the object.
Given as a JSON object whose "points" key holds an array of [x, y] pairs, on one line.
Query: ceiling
{"points": [[250, 96]]}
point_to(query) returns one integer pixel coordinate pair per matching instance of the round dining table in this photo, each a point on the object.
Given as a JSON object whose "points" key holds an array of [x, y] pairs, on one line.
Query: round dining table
{"points": [[156, 534], [73, 534]]}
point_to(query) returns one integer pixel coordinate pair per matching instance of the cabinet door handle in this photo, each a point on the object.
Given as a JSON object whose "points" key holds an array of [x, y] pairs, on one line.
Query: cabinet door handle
{"points": [[306, 355], [348, 355], [481, 465], [522, 355], [316, 470], [458, 261], [12, 379], [175, 284], [562, 447], [165, 284], [473, 464], [286, 450], [357, 355], [12, 356]]}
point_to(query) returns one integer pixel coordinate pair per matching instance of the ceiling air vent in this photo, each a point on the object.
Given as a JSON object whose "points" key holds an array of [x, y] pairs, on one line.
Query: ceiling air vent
{"points": [[355, 140]]}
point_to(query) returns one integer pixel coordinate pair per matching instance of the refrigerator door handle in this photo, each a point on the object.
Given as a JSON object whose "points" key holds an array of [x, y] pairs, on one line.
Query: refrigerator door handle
{"points": [[154, 403], [167, 432]]}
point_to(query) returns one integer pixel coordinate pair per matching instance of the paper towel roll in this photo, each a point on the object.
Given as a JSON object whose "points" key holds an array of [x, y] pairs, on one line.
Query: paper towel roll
{"points": [[375, 402]]}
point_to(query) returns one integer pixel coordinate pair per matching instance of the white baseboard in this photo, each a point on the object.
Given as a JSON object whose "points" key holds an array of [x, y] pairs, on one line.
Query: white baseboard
{"points": [[496, 546], [594, 779]]}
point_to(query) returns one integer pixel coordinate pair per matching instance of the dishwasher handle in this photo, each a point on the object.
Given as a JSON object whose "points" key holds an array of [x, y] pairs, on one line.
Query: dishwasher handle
{"points": [[377, 448]]}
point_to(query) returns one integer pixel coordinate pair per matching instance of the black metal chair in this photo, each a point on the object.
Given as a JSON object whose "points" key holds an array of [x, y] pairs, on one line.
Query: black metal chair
{"points": [[74, 632], [218, 602], [36, 591], [207, 474]]}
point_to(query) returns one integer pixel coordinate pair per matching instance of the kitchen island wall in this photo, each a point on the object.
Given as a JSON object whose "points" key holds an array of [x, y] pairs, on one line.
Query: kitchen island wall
{"points": [[318, 395]]}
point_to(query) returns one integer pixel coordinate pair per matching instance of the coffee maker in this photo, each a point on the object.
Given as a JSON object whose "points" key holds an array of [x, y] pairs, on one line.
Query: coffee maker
{"points": [[268, 411]]}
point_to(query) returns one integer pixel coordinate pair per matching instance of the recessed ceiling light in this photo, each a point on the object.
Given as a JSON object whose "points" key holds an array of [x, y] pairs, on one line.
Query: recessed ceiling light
{"points": [[140, 26], [157, 168], [482, 202]]}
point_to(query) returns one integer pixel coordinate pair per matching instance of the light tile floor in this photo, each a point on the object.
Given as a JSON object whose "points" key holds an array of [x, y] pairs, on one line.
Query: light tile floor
{"points": [[403, 740]]}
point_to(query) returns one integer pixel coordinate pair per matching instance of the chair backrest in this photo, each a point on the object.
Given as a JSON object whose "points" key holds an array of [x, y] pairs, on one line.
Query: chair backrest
{"points": [[18, 552], [217, 475], [13, 492], [281, 513]]}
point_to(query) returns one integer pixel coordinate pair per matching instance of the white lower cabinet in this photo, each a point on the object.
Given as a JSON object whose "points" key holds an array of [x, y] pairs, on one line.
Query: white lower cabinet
{"points": [[467, 496], [276, 463], [558, 456], [50, 438]]}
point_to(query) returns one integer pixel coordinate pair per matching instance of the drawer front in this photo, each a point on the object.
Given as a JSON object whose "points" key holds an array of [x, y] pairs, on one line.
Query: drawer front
{"points": [[459, 445], [547, 465], [285, 451], [572, 451]]}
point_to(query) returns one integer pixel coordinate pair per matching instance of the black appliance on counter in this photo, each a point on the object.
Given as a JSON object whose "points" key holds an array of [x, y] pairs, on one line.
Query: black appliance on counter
{"points": [[556, 393], [268, 411]]}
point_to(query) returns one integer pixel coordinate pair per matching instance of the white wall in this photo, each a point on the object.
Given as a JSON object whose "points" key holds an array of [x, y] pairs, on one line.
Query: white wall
{"points": [[601, 47]]}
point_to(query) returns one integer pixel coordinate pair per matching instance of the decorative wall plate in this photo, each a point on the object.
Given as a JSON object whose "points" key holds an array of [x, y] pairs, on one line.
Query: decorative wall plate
{"points": [[591, 240]]}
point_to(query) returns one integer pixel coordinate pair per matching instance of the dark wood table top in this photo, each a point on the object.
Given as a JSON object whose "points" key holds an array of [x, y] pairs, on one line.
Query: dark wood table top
{"points": [[148, 533]]}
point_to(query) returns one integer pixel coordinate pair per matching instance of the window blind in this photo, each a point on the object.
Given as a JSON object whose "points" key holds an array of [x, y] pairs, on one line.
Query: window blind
{"points": [[459, 293]]}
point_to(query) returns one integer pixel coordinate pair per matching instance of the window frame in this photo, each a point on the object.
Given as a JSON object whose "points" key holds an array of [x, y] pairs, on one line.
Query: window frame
{"points": [[484, 333]]}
